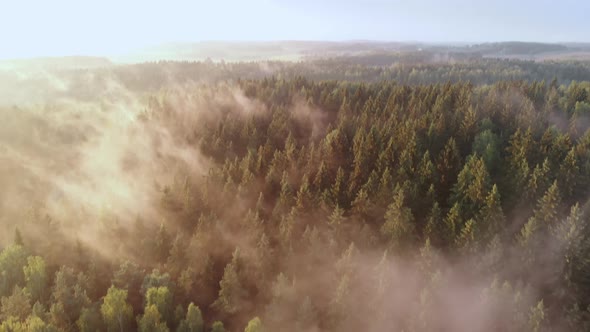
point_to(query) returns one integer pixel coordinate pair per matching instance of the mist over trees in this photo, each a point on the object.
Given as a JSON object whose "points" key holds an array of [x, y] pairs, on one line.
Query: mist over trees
{"points": [[366, 193]]}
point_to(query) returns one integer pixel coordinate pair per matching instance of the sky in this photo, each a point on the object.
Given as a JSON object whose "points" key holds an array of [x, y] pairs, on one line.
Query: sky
{"points": [[31, 28]]}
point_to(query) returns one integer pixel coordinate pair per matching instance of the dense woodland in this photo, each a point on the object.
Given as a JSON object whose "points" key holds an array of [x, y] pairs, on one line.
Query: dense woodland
{"points": [[327, 196]]}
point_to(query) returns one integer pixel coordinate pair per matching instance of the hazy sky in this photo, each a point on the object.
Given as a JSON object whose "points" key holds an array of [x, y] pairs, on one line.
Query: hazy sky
{"points": [[102, 27]]}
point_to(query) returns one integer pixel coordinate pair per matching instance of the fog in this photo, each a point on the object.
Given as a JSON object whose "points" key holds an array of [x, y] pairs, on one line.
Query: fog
{"points": [[88, 159]]}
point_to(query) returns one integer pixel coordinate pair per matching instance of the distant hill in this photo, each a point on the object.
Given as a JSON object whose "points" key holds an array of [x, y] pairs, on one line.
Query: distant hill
{"points": [[532, 51], [300, 50], [517, 48], [56, 63], [256, 51], [305, 50]]}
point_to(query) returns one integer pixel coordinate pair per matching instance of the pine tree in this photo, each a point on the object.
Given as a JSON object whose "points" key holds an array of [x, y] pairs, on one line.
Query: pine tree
{"points": [[231, 292], [568, 174], [544, 217], [548, 206], [467, 238], [336, 218], [486, 144], [163, 244], [491, 217], [448, 165], [518, 170], [473, 184], [177, 257], [304, 201], [398, 227], [435, 226], [287, 228], [362, 206], [426, 170], [338, 188], [452, 222], [360, 163], [285, 200], [539, 181], [385, 187], [321, 178]]}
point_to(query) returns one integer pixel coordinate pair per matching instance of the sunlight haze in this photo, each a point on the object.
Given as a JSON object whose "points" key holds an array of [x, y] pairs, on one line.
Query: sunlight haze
{"points": [[294, 165], [63, 27]]}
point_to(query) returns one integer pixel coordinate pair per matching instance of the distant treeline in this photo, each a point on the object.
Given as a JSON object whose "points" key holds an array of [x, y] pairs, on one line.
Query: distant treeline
{"points": [[405, 68]]}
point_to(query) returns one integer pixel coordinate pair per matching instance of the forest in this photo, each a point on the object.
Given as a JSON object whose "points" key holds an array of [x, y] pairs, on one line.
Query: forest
{"points": [[383, 192]]}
